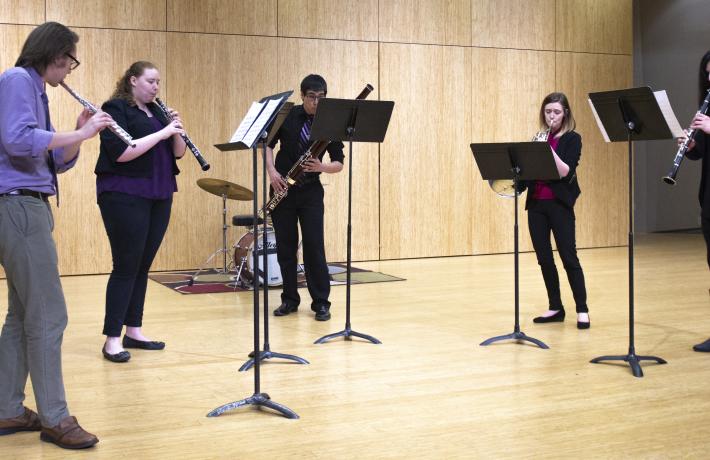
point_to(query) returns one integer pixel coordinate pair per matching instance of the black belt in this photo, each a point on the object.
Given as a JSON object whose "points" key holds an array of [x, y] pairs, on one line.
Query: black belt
{"points": [[25, 192]]}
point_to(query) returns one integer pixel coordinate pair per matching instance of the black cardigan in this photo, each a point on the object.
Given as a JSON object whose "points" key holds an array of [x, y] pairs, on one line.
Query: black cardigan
{"points": [[566, 190], [700, 151], [138, 125]]}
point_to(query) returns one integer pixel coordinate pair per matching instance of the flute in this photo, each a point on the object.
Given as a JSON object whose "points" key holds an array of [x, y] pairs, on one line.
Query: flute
{"points": [[193, 148], [114, 127]]}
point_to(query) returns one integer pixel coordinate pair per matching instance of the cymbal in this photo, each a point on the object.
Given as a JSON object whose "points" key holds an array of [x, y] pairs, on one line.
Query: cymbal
{"points": [[221, 187]]}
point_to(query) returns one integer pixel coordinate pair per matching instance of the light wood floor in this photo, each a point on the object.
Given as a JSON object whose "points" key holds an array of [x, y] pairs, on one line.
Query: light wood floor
{"points": [[429, 391]]}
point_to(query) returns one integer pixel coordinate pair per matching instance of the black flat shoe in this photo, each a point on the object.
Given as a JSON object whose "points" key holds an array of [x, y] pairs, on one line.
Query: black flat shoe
{"points": [[556, 318], [143, 345], [120, 357], [587, 325], [322, 313], [702, 347], [284, 310]]}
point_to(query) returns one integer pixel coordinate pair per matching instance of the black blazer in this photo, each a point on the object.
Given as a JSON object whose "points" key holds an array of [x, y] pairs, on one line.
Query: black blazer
{"points": [[700, 151], [566, 190], [138, 125]]}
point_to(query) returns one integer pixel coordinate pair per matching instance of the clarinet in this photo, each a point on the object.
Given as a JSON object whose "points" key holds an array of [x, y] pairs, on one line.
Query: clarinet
{"points": [[193, 148], [114, 127], [683, 149], [296, 172]]}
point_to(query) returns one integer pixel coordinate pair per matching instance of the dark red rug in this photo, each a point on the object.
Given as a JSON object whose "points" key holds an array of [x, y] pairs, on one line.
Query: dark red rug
{"points": [[209, 281]]}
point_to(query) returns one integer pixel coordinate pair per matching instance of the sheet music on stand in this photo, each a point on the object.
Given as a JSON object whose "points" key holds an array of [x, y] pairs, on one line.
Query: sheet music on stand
{"points": [[666, 109], [259, 115]]}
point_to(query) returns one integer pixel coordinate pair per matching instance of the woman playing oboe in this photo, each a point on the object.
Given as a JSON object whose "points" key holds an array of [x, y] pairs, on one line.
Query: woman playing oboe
{"points": [[135, 186], [698, 149]]}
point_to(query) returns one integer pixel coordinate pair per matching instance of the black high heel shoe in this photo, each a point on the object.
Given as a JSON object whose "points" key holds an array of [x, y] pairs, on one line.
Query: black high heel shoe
{"points": [[556, 318]]}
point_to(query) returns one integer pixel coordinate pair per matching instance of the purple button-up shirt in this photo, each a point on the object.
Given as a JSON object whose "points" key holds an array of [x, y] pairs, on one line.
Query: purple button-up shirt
{"points": [[24, 136]]}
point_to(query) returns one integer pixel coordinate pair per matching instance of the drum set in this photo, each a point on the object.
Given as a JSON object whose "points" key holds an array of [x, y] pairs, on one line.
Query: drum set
{"points": [[238, 260]]}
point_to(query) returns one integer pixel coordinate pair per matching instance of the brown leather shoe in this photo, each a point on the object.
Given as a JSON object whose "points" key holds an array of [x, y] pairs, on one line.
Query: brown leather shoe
{"points": [[68, 435], [29, 421]]}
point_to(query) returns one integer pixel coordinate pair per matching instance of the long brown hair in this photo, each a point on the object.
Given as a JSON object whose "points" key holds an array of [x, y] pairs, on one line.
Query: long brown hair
{"points": [[45, 43], [123, 85], [568, 124]]}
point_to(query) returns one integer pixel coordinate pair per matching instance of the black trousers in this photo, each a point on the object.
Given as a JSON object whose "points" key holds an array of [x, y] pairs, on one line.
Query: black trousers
{"points": [[303, 205], [551, 216], [135, 228], [705, 224]]}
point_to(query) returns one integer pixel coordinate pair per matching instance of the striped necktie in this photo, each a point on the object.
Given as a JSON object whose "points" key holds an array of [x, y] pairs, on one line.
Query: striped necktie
{"points": [[50, 156], [305, 135]]}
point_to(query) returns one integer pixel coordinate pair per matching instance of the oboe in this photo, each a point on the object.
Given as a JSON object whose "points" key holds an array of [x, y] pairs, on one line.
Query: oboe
{"points": [[114, 127], [296, 172], [193, 148], [683, 149]]}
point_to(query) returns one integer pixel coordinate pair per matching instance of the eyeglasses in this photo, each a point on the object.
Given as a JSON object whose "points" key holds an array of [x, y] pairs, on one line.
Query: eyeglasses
{"points": [[75, 62], [314, 97]]}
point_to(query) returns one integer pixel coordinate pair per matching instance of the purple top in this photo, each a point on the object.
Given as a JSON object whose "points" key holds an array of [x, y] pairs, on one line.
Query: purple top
{"points": [[25, 134], [160, 186]]}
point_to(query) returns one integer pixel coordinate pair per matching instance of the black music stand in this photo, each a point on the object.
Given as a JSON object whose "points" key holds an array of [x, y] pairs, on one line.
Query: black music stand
{"points": [[517, 161], [630, 115], [351, 120], [266, 352], [258, 399]]}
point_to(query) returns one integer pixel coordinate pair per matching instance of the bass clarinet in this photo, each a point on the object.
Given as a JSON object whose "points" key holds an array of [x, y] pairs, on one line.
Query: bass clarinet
{"points": [[114, 127], [193, 148], [683, 149], [314, 151]]}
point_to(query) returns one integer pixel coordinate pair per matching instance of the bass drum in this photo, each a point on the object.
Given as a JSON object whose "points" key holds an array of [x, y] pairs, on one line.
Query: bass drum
{"points": [[244, 258]]}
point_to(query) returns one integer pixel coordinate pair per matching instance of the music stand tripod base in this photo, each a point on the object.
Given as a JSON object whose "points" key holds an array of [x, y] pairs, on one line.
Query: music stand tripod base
{"points": [[517, 335], [633, 360], [259, 400], [347, 334], [268, 354]]}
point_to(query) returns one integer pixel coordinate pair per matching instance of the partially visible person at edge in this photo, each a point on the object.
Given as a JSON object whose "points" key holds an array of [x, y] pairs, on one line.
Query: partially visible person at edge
{"points": [[31, 154], [134, 187], [700, 149], [550, 206]]}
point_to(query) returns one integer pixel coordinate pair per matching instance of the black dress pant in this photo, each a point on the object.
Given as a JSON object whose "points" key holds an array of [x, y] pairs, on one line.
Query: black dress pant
{"points": [[303, 205], [551, 216], [135, 228], [705, 224]]}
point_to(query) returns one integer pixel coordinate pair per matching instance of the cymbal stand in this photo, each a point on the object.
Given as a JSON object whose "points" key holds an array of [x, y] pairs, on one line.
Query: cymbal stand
{"points": [[223, 250]]}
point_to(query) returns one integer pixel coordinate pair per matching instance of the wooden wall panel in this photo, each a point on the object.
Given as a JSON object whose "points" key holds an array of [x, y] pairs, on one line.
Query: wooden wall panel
{"points": [[116, 14], [346, 66], [343, 20], [602, 209], [426, 21], [594, 26], [248, 17], [426, 169], [22, 11], [12, 37], [212, 101], [513, 24], [507, 92], [81, 240]]}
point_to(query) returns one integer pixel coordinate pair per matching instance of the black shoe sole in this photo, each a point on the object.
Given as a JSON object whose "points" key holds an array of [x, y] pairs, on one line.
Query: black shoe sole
{"points": [[116, 358], [46, 438], [556, 318], [583, 325]]}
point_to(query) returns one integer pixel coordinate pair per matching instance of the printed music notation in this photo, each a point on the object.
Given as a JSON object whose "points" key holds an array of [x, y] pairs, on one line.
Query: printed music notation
{"points": [[255, 120]]}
